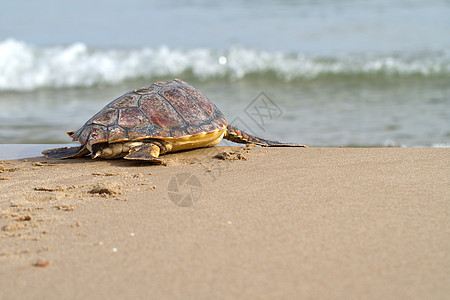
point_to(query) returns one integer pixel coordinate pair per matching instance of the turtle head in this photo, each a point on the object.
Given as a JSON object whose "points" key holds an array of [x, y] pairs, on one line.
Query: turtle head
{"points": [[113, 150]]}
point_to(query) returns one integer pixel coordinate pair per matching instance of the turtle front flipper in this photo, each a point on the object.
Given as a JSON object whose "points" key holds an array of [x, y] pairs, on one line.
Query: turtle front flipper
{"points": [[62, 153], [238, 136], [146, 151]]}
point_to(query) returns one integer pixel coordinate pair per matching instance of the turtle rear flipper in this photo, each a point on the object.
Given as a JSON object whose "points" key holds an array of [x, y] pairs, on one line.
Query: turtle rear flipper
{"points": [[146, 151], [238, 136], [62, 153]]}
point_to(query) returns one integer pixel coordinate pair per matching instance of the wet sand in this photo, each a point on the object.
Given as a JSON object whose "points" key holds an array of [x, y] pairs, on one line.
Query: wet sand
{"points": [[275, 223]]}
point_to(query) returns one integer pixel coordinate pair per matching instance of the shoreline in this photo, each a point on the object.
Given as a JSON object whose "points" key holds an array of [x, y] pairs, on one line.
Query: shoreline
{"points": [[26, 151], [263, 222]]}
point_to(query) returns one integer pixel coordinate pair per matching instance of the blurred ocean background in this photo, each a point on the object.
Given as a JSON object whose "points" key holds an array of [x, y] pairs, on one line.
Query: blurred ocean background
{"points": [[321, 73]]}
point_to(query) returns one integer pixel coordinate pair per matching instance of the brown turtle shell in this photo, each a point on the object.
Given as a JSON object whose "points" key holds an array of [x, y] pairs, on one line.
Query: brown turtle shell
{"points": [[164, 110]]}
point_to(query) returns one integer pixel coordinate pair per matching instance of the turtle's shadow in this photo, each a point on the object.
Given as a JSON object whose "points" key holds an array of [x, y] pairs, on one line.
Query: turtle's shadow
{"points": [[118, 162]]}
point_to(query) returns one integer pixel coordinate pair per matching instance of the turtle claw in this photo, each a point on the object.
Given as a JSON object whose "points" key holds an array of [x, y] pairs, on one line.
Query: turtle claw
{"points": [[147, 151]]}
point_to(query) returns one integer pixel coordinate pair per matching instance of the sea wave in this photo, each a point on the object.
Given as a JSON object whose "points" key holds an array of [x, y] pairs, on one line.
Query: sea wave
{"points": [[24, 66]]}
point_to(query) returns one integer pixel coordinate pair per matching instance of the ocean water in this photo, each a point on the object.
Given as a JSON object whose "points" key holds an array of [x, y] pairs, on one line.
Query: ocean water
{"points": [[321, 73]]}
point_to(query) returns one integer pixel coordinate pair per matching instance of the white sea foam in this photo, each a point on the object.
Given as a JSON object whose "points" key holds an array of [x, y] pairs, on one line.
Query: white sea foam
{"points": [[392, 143], [26, 67]]}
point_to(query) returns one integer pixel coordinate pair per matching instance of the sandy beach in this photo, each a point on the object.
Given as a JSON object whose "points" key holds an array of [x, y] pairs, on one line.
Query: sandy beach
{"points": [[229, 223]]}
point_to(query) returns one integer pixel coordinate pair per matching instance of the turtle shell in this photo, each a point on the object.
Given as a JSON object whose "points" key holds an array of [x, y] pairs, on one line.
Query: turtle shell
{"points": [[164, 110]]}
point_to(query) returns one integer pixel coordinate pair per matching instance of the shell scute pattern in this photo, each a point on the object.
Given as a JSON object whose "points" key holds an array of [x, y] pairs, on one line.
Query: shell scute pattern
{"points": [[116, 134], [147, 89], [191, 112], [193, 130], [171, 109], [107, 118], [160, 111], [141, 132], [131, 117], [137, 134], [82, 134], [98, 135], [178, 133], [208, 127], [128, 100], [163, 133], [219, 122], [204, 102]]}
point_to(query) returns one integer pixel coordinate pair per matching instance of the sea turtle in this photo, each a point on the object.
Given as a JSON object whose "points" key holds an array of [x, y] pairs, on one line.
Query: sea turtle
{"points": [[160, 118]]}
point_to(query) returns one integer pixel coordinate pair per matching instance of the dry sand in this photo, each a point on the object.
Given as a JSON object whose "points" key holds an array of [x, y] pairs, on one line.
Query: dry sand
{"points": [[253, 223]]}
